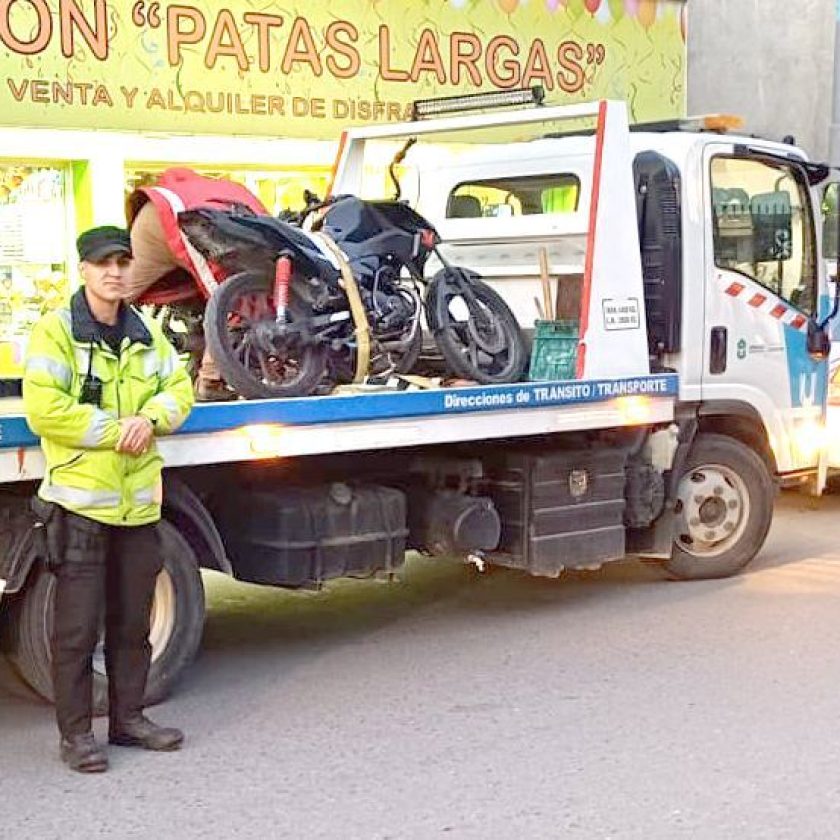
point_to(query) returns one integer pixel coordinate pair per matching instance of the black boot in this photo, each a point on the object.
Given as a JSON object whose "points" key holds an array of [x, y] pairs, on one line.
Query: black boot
{"points": [[82, 754], [141, 732]]}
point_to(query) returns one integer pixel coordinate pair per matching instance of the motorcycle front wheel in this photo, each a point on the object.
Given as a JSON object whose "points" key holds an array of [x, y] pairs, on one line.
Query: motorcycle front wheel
{"points": [[474, 329], [256, 360]]}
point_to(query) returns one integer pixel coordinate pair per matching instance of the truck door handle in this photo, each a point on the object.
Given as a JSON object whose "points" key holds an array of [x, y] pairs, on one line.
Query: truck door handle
{"points": [[718, 350]]}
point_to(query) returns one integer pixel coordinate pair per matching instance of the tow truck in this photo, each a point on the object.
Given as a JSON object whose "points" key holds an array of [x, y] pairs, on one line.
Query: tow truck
{"points": [[687, 259]]}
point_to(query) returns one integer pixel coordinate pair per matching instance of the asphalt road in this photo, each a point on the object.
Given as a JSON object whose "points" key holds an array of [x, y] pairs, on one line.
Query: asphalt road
{"points": [[604, 705]]}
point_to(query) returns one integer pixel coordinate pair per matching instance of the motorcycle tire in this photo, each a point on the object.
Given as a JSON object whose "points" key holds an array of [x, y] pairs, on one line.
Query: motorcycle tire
{"points": [[451, 344], [311, 361]]}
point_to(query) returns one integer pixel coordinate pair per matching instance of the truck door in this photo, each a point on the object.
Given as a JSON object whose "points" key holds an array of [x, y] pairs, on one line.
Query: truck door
{"points": [[762, 287]]}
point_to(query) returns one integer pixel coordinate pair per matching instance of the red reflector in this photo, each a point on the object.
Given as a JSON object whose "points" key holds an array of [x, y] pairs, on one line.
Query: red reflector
{"points": [[428, 238]]}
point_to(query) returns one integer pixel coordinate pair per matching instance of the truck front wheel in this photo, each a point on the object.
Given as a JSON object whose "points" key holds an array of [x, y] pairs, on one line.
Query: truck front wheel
{"points": [[177, 622], [723, 511]]}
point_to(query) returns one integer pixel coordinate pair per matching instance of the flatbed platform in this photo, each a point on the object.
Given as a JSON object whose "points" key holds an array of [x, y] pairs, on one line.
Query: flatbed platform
{"points": [[218, 433]]}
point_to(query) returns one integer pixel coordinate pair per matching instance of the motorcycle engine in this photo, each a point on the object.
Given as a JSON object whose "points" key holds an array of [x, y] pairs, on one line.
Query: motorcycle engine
{"points": [[393, 308], [394, 311]]}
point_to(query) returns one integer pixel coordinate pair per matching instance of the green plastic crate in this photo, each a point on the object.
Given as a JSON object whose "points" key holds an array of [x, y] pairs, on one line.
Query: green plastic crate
{"points": [[554, 353]]}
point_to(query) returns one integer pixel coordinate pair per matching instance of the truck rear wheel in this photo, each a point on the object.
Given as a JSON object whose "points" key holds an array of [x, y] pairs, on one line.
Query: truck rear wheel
{"points": [[724, 509], [176, 626]]}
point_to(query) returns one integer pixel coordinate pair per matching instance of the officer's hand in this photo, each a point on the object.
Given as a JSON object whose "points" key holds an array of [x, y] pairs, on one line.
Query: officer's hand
{"points": [[136, 435]]}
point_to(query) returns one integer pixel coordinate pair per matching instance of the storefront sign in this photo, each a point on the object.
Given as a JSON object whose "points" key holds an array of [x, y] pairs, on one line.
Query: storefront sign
{"points": [[304, 69]]}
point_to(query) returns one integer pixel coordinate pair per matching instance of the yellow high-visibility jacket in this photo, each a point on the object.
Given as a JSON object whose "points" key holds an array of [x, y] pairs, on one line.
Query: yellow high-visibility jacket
{"points": [[84, 473]]}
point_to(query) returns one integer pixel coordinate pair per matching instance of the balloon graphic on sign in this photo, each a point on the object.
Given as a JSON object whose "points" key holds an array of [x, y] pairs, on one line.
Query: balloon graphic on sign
{"points": [[631, 7], [554, 5], [592, 6], [684, 23], [647, 13], [616, 9], [574, 8], [508, 6]]}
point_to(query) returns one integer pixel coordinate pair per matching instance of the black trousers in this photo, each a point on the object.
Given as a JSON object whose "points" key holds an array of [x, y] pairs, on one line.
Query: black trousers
{"points": [[109, 573]]}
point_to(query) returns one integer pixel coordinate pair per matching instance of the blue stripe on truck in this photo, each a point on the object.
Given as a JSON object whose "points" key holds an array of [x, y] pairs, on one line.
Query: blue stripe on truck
{"points": [[305, 411]]}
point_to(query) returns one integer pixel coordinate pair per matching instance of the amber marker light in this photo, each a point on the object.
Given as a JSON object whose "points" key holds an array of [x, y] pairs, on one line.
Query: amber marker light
{"points": [[264, 440], [634, 410]]}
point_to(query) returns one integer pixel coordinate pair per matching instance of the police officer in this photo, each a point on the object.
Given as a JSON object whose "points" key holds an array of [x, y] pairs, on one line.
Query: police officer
{"points": [[101, 381]]}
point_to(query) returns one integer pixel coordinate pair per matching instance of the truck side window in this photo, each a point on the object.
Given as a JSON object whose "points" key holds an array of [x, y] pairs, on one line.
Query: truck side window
{"points": [[520, 196], [763, 227]]}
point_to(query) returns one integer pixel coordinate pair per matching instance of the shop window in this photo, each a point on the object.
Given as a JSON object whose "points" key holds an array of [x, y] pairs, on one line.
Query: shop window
{"points": [[763, 227], [35, 241], [524, 196], [278, 190]]}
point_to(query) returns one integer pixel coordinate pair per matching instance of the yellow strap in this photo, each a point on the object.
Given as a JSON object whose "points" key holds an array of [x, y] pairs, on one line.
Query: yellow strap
{"points": [[423, 382], [357, 309]]}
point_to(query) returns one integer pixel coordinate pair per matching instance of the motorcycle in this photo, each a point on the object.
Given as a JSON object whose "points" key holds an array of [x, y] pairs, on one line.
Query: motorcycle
{"points": [[300, 309]]}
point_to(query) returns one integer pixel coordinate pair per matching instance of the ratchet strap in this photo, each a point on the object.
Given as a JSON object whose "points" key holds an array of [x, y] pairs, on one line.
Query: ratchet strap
{"points": [[357, 308]]}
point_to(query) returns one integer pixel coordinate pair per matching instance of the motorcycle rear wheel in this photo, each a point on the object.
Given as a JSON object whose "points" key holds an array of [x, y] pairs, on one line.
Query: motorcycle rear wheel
{"points": [[236, 307]]}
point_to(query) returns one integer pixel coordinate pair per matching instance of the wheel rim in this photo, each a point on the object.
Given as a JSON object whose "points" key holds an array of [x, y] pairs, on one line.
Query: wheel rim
{"points": [[480, 335], [713, 504], [161, 622], [249, 323]]}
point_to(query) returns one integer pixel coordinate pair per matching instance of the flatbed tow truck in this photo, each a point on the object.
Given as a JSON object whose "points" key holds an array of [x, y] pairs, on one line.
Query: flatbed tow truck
{"points": [[662, 445]]}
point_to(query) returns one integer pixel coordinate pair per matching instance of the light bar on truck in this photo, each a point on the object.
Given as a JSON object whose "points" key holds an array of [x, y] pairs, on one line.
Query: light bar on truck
{"points": [[717, 123], [423, 108]]}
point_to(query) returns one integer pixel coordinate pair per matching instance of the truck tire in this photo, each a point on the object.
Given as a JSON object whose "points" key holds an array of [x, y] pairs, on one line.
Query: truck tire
{"points": [[176, 626], [724, 509]]}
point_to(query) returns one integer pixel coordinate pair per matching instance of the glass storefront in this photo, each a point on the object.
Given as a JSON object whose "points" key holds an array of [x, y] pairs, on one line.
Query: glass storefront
{"points": [[35, 247]]}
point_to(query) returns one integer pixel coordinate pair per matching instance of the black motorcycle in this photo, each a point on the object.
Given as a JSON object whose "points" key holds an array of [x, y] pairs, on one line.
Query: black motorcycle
{"points": [[287, 319]]}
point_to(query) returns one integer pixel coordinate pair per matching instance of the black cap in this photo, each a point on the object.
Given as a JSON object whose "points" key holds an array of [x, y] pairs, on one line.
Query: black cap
{"points": [[101, 242]]}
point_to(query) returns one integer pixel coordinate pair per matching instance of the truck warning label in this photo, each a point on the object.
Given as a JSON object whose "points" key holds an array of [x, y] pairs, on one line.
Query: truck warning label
{"points": [[621, 314]]}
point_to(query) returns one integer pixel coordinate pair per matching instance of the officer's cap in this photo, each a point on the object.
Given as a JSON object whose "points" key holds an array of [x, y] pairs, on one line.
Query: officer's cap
{"points": [[99, 243]]}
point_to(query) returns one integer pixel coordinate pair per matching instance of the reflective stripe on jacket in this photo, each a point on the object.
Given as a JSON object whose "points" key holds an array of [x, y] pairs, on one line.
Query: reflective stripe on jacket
{"points": [[84, 473], [178, 189]]}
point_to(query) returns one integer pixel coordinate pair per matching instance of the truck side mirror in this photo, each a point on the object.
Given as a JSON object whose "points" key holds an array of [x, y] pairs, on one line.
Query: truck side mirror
{"points": [[831, 222], [818, 342]]}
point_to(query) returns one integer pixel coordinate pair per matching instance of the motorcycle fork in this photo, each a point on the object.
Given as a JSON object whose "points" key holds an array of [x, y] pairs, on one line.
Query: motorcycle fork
{"points": [[282, 284]]}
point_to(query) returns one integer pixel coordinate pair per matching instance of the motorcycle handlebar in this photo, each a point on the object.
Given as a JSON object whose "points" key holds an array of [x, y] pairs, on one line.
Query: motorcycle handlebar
{"points": [[312, 204]]}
